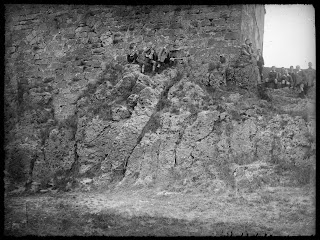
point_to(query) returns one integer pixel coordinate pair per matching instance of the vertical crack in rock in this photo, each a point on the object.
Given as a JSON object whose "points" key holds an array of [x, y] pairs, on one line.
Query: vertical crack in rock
{"points": [[156, 114], [104, 128], [75, 164], [175, 156], [192, 160], [158, 153], [31, 166], [187, 122], [273, 145], [212, 130]]}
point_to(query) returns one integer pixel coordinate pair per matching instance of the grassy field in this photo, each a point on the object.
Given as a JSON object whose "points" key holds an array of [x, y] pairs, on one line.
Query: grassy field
{"points": [[150, 212]]}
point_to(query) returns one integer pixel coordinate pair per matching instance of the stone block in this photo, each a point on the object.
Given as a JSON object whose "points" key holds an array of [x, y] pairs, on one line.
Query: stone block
{"points": [[232, 36], [82, 29], [168, 32], [95, 40], [55, 65], [94, 64], [205, 23], [70, 36], [121, 58], [84, 40], [218, 22], [213, 15], [82, 34], [98, 50], [211, 42]]}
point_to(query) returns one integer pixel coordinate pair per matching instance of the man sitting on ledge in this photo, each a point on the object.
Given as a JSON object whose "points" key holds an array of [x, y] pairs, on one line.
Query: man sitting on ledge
{"points": [[133, 53], [245, 54]]}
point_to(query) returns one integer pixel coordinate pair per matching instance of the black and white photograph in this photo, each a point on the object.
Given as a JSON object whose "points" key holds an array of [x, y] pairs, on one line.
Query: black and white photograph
{"points": [[159, 120]]}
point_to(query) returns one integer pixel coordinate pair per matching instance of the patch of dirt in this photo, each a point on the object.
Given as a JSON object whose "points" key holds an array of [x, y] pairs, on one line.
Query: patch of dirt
{"points": [[150, 212]]}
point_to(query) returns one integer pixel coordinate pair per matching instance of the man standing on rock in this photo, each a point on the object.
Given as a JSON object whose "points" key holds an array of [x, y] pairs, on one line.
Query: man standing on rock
{"points": [[311, 75], [293, 76], [301, 81], [245, 55], [260, 62]]}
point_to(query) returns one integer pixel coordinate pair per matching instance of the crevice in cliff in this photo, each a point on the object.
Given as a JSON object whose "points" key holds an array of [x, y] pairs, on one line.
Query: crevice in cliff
{"points": [[158, 154], [193, 160], [154, 121], [101, 132], [31, 167], [187, 122], [75, 165], [212, 130]]}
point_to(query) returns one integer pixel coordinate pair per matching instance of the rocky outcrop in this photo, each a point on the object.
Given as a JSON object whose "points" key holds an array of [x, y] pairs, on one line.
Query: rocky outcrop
{"points": [[74, 109], [167, 129], [208, 146]]}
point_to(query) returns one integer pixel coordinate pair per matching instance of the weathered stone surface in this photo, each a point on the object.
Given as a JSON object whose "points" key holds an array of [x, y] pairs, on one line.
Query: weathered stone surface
{"points": [[72, 106], [252, 25]]}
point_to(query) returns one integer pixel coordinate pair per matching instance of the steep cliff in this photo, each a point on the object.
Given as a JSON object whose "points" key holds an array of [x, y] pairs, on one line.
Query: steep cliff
{"points": [[74, 108]]}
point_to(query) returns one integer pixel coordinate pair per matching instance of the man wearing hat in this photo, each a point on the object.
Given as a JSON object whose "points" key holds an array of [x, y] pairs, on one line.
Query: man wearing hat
{"points": [[246, 54], [301, 81], [222, 68], [311, 75], [260, 62]]}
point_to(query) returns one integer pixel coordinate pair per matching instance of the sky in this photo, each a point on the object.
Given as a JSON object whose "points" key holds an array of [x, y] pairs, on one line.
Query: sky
{"points": [[289, 36]]}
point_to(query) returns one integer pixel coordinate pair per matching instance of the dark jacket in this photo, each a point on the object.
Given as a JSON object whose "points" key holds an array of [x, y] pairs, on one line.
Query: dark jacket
{"points": [[132, 57], [272, 76], [286, 79], [293, 76]]}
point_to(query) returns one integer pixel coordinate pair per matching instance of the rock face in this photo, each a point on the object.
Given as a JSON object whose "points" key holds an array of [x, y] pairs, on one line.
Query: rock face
{"points": [[74, 109], [252, 24]]}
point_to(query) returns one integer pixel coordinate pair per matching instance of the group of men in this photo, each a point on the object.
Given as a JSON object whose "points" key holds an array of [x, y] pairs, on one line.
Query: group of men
{"points": [[149, 57], [300, 80], [297, 79]]}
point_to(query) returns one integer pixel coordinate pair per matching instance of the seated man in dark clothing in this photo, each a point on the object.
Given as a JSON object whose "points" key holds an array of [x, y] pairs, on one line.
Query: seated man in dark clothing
{"points": [[286, 79], [133, 54], [245, 54], [152, 58], [272, 79]]}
